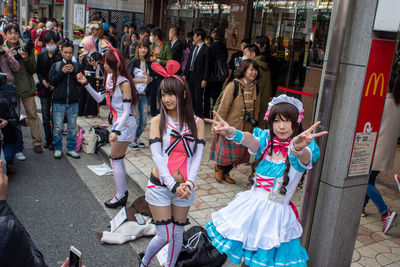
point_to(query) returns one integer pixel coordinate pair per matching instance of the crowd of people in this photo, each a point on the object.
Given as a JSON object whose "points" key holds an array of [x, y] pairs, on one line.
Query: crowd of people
{"points": [[179, 83]]}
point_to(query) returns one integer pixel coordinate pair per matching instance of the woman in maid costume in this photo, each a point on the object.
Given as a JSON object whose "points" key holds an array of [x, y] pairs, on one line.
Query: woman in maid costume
{"points": [[177, 144], [120, 95], [260, 225]]}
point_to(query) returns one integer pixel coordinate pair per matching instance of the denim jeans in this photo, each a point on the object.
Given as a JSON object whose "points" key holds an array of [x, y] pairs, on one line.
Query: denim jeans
{"points": [[141, 117], [46, 118], [373, 193], [153, 87], [58, 118]]}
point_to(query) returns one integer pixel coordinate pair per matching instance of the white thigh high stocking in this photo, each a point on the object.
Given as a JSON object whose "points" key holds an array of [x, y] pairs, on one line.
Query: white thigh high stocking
{"points": [[119, 173], [162, 238], [175, 245]]}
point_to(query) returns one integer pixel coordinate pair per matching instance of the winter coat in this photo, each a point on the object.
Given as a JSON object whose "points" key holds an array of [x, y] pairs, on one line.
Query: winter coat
{"points": [[389, 133], [44, 63], [232, 110], [67, 89], [8, 65], [264, 83], [23, 79]]}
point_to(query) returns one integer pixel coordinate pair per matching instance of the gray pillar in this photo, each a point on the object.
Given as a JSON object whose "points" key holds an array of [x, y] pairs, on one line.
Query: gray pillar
{"points": [[340, 199]]}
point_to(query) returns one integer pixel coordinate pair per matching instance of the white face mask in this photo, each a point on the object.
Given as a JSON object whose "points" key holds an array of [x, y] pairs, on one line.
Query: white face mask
{"points": [[51, 48], [244, 58], [151, 39]]}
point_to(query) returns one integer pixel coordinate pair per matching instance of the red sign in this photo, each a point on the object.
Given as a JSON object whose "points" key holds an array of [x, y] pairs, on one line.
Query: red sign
{"points": [[371, 107]]}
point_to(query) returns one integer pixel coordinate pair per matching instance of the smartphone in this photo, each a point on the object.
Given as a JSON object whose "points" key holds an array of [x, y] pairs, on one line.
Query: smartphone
{"points": [[139, 218], [68, 62], [75, 257]]}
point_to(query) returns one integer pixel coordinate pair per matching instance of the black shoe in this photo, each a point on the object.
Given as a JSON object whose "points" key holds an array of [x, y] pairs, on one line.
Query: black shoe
{"points": [[140, 258], [120, 202]]}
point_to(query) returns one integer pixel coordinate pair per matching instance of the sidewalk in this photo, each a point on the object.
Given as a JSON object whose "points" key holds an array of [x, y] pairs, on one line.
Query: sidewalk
{"points": [[373, 248]]}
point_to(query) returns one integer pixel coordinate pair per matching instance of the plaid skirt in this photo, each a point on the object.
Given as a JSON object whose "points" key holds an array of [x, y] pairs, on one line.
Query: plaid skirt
{"points": [[225, 152]]}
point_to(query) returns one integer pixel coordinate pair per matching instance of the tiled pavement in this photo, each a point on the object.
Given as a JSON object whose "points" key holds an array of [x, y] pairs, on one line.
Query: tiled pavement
{"points": [[373, 248]]}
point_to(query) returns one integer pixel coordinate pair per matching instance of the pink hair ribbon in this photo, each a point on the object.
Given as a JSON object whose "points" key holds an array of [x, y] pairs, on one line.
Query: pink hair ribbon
{"points": [[113, 50], [170, 69]]}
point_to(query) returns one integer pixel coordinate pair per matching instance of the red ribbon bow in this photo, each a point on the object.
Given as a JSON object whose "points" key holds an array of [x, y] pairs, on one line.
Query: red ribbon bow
{"points": [[170, 69], [278, 145]]}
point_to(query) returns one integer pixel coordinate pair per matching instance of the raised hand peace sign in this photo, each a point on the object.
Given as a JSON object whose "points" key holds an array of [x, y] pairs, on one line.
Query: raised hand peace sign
{"points": [[304, 139], [221, 126]]}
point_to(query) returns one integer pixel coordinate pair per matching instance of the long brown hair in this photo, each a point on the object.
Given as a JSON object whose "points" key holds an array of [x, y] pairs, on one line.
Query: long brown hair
{"points": [[174, 86], [144, 43], [111, 60], [284, 111]]}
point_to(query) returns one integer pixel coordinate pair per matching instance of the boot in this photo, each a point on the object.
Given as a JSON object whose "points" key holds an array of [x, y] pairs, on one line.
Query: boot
{"points": [[228, 179], [219, 173]]}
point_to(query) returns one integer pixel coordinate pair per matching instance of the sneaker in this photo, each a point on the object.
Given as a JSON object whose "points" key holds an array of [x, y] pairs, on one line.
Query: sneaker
{"points": [[140, 143], [363, 213], [20, 156], [57, 154], [73, 154], [397, 179], [388, 220], [134, 145]]}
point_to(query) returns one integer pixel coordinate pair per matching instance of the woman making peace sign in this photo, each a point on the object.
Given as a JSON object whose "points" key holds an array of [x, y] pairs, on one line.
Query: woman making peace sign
{"points": [[260, 225]]}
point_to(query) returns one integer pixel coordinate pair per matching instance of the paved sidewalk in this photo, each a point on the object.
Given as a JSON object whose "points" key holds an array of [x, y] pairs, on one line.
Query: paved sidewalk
{"points": [[373, 248]]}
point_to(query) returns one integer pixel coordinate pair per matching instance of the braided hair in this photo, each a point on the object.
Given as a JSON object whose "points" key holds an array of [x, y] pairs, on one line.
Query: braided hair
{"points": [[284, 111]]}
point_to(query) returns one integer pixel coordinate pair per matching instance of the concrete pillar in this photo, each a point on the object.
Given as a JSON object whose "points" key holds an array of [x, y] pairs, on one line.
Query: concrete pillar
{"points": [[340, 199]]}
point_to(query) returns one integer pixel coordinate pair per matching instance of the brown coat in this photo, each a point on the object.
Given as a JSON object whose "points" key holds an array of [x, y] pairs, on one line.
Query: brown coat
{"points": [[389, 133], [232, 110]]}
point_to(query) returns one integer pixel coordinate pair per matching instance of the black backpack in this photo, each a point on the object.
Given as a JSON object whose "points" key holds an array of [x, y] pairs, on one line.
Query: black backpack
{"points": [[8, 104], [102, 136], [198, 251]]}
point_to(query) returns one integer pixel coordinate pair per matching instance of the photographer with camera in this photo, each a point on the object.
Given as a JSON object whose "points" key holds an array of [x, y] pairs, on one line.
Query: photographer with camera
{"points": [[66, 95], [45, 91], [239, 107], [23, 80]]}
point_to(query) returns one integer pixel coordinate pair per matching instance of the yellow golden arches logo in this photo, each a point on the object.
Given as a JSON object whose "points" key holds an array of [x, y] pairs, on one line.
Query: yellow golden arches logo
{"points": [[376, 82]]}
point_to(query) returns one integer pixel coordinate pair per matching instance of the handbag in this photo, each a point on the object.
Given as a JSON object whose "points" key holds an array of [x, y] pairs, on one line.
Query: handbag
{"points": [[219, 72], [89, 141]]}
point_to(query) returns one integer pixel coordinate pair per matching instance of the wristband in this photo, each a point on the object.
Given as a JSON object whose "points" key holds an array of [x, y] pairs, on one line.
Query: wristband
{"points": [[238, 137], [293, 150], [116, 132], [189, 181]]}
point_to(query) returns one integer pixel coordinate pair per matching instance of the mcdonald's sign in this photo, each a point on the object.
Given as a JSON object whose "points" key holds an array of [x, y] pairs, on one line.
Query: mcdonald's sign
{"points": [[376, 80], [372, 103]]}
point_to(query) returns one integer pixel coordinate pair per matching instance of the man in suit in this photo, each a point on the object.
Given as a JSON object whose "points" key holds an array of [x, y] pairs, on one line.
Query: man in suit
{"points": [[177, 46], [197, 70]]}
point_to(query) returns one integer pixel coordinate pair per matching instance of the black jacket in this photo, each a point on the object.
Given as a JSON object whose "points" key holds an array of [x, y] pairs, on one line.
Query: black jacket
{"points": [[202, 65], [67, 89], [177, 51], [43, 66], [135, 63], [16, 246]]}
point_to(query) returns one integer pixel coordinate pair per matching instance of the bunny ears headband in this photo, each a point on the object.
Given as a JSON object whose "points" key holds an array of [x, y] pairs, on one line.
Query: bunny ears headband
{"points": [[109, 45], [170, 69], [286, 99]]}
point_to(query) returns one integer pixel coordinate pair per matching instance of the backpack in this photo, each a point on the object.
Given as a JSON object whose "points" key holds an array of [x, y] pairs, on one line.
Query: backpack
{"points": [[8, 104], [102, 136], [235, 94]]}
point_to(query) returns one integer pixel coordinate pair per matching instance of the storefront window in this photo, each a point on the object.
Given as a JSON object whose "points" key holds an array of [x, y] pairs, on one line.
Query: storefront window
{"points": [[188, 15]]}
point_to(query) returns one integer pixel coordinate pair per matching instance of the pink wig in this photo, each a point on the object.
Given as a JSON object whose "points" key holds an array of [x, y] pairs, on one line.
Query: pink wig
{"points": [[89, 45]]}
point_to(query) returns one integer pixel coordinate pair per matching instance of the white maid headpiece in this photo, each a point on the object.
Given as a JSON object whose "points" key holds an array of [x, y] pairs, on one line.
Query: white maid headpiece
{"points": [[286, 99]]}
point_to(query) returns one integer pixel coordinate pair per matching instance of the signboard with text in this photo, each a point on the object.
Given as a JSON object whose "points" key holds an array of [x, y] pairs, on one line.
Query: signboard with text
{"points": [[371, 107]]}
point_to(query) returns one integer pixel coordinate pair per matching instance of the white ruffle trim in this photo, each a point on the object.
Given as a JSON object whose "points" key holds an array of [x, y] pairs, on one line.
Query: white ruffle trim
{"points": [[257, 222]]}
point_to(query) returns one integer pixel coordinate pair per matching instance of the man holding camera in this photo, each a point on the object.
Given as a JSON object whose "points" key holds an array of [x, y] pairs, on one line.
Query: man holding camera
{"points": [[66, 95], [23, 80]]}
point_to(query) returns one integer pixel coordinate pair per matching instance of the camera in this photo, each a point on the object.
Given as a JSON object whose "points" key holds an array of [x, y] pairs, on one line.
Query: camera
{"points": [[2, 52], [250, 118], [68, 62], [27, 48]]}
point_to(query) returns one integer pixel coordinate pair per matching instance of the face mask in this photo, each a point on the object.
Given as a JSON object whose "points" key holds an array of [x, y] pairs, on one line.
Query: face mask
{"points": [[51, 48], [244, 58], [151, 39]]}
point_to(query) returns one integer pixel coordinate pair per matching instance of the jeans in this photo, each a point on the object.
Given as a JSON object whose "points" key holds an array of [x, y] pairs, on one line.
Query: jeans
{"points": [[58, 117], [373, 193], [11, 148], [141, 117], [153, 87], [46, 118]]}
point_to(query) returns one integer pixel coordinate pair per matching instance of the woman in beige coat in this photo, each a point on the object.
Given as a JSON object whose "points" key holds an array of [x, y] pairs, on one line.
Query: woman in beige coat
{"points": [[235, 103], [385, 152]]}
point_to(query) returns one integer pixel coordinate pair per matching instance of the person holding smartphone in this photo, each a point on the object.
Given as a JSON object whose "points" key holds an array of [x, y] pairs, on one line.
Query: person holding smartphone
{"points": [[66, 95]]}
